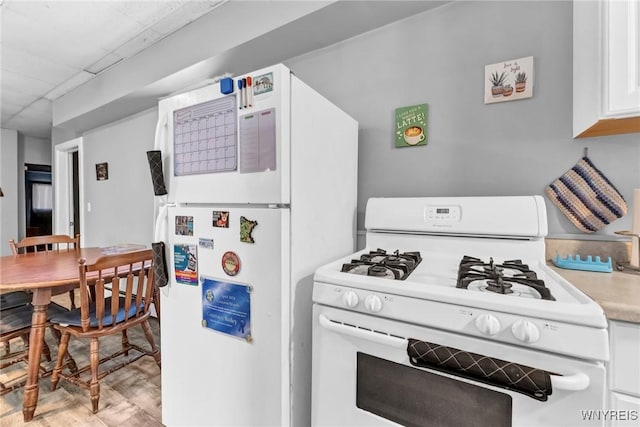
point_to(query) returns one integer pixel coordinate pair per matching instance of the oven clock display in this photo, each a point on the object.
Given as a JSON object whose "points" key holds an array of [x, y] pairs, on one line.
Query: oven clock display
{"points": [[442, 213]]}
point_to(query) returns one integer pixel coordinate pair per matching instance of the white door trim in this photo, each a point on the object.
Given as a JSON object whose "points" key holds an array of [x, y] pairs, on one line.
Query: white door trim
{"points": [[62, 181]]}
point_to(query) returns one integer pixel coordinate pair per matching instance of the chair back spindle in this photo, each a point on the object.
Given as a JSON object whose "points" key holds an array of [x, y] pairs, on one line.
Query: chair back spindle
{"points": [[116, 292], [123, 285], [49, 243]]}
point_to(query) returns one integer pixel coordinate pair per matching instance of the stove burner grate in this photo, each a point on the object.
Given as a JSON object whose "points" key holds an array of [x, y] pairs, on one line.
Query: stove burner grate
{"points": [[473, 269], [379, 263]]}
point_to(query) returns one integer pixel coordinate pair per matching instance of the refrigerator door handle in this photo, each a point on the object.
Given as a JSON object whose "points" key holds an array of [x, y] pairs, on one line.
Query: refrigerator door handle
{"points": [[161, 222], [160, 204], [160, 141]]}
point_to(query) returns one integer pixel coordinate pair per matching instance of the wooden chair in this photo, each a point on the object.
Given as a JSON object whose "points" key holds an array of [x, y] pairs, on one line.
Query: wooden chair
{"points": [[9, 301], [55, 242], [16, 309], [15, 322], [15, 299], [49, 243], [130, 276]]}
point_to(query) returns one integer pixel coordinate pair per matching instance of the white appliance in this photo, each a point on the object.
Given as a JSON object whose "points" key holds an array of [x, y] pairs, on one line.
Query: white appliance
{"points": [[261, 189], [426, 337]]}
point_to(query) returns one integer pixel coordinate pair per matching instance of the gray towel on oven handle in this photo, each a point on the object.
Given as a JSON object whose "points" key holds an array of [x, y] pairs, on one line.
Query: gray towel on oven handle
{"points": [[532, 382]]}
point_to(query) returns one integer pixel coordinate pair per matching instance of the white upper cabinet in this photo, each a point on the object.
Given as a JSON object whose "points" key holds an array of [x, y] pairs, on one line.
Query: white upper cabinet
{"points": [[606, 67]]}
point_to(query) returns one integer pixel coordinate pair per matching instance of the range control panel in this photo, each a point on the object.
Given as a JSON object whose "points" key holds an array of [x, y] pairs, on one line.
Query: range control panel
{"points": [[450, 213], [511, 328]]}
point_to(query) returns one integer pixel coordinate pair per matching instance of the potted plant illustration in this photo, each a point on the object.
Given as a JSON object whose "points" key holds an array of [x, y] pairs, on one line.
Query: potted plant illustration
{"points": [[497, 81], [521, 81], [507, 90]]}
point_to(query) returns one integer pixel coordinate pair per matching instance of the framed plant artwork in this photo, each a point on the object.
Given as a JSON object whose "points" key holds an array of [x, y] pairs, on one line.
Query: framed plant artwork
{"points": [[508, 80]]}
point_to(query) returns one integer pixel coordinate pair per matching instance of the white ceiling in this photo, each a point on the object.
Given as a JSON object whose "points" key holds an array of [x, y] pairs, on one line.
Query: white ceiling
{"points": [[50, 47]]}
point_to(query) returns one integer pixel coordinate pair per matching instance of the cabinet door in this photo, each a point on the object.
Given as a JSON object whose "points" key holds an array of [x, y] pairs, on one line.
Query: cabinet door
{"points": [[623, 62], [625, 354], [626, 409], [606, 67]]}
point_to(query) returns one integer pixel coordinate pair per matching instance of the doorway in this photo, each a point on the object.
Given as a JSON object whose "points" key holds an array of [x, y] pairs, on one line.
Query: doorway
{"points": [[75, 191], [38, 200], [68, 189]]}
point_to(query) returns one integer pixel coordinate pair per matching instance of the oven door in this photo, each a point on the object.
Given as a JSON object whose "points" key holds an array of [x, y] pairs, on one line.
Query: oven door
{"points": [[363, 376]]}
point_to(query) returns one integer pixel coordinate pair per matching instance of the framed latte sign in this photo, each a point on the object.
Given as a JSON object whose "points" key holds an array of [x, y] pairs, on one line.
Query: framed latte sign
{"points": [[411, 126]]}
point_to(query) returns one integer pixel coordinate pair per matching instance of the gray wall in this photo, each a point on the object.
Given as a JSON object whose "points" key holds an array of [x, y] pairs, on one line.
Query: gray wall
{"points": [[9, 185], [34, 150], [438, 58], [16, 150], [59, 135], [122, 206]]}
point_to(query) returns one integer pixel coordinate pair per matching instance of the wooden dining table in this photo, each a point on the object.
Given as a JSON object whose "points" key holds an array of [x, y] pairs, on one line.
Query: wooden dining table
{"points": [[44, 274]]}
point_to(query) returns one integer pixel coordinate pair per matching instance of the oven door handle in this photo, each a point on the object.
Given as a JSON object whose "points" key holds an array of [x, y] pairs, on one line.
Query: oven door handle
{"points": [[575, 382], [366, 334]]}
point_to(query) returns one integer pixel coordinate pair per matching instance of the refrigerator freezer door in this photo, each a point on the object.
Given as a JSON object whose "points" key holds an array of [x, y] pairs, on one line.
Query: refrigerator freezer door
{"points": [[221, 153], [211, 374]]}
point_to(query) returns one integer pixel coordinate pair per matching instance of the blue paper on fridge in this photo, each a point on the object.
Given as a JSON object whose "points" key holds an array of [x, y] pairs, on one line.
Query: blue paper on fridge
{"points": [[226, 308]]}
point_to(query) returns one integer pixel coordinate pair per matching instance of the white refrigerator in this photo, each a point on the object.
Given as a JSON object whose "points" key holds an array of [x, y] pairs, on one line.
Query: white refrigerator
{"points": [[261, 178]]}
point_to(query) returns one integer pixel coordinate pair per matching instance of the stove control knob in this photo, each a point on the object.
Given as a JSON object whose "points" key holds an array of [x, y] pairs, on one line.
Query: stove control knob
{"points": [[488, 324], [525, 331], [373, 303], [350, 299]]}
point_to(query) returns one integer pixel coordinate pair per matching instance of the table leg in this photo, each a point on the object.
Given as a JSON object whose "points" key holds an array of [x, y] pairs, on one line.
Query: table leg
{"points": [[41, 299]]}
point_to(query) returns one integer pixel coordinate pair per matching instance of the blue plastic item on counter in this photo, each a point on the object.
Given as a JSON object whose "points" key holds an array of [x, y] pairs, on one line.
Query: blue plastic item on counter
{"points": [[581, 264]]}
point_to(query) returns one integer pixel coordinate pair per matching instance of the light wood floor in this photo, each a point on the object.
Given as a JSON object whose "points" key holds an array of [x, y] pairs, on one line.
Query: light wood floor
{"points": [[128, 397]]}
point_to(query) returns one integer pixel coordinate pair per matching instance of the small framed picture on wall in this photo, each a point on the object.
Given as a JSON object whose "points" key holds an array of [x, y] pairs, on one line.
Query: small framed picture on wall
{"points": [[411, 125], [508, 80], [102, 171]]}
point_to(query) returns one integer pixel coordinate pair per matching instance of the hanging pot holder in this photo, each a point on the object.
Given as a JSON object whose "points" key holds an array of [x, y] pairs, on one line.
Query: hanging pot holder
{"points": [[587, 197]]}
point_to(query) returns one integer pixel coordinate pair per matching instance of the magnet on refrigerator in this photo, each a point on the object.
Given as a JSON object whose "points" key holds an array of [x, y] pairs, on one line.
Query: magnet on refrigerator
{"points": [[246, 228]]}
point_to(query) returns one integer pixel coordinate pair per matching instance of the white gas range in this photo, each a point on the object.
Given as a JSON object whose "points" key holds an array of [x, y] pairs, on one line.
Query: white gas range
{"points": [[451, 317]]}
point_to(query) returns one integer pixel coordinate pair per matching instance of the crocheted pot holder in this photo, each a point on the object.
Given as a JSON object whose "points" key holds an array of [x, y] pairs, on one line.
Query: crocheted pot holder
{"points": [[587, 197]]}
